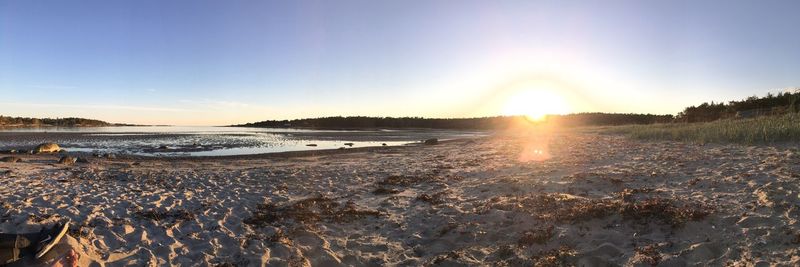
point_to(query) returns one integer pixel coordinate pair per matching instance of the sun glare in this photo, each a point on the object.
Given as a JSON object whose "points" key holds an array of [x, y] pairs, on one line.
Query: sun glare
{"points": [[535, 103]]}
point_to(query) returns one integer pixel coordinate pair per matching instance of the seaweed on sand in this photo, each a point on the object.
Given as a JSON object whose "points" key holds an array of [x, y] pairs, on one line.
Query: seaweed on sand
{"points": [[555, 257], [536, 236], [566, 208], [664, 210], [309, 210], [175, 215], [385, 191], [648, 254], [433, 199], [559, 207], [401, 180]]}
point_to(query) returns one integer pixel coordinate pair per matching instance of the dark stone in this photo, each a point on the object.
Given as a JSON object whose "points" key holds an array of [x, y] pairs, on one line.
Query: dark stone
{"points": [[349, 144], [10, 159], [432, 141], [67, 160], [311, 145]]}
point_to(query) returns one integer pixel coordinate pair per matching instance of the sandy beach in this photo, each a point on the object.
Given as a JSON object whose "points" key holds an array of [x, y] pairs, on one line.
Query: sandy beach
{"points": [[576, 198]]}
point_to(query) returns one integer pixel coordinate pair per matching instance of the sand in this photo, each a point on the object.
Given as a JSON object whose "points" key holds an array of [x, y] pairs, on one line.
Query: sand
{"points": [[574, 198]]}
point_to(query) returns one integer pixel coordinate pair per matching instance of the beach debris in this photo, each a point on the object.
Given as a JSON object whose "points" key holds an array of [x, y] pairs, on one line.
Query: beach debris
{"points": [[385, 191], [433, 199], [554, 257], [401, 180], [560, 207], [47, 148], [308, 210], [432, 141], [349, 144], [82, 160], [383, 144], [11, 159], [67, 160], [311, 145], [536, 236], [173, 215], [648, 255]]}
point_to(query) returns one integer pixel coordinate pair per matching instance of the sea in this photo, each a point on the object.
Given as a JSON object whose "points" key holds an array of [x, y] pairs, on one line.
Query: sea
{"points": [[213, 141]]}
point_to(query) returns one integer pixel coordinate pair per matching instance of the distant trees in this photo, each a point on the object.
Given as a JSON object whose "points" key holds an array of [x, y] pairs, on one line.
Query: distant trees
{"points": [[602, 119], [386, 122], [63, 122], [463, 123], [771, 104]]}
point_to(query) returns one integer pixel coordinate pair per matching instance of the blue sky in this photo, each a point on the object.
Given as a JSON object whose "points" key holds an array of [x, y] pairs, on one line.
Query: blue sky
{"points": [[222, 62]]}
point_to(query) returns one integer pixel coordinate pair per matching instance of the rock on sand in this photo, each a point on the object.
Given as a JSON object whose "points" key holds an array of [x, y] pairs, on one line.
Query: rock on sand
{"points": [[47, 148], [432, 141], [11, 159], [67, 160]]}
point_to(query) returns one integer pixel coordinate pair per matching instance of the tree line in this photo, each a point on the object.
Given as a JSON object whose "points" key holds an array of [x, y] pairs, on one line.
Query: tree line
{"points": [[496, 122], [771, 104], [63, 122]]}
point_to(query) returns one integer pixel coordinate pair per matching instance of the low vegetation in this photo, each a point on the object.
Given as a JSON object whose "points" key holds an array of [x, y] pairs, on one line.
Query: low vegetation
{"points": [[759, 130]]}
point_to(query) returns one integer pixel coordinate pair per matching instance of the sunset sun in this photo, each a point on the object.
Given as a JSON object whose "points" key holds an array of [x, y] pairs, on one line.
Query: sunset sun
{"points": [[535, 103]]}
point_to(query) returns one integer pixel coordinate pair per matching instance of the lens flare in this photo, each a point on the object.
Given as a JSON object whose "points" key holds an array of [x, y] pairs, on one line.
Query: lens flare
{"points": [[535, 103]]}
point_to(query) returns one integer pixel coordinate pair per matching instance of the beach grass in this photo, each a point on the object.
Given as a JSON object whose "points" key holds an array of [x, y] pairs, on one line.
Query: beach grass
{"points": [[760, 130]]}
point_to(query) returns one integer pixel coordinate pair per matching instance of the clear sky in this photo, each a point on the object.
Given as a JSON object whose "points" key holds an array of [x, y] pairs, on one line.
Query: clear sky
{"points": [[222, 62]]}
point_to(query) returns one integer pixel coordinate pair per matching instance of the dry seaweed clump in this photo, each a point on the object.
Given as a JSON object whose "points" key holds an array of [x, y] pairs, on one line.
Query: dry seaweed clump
{"points": [[559, 207], [664, 210], [433, 199], [401, 180], [536, 236], [648, 254], [308, 210], [555, 257], [409, 180], [566, 208], [385, 191], [175, 215]]}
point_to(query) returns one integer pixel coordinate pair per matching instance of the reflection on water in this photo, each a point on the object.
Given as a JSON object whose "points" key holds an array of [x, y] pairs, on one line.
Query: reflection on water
{"points": [[211, 141]]}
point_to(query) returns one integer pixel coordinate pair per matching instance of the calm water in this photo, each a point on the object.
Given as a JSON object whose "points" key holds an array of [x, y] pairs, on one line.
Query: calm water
{"points": [[211, 141]]}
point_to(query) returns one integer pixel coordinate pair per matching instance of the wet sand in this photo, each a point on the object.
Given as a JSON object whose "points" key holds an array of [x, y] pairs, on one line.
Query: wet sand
{"points": [[573, 199]]}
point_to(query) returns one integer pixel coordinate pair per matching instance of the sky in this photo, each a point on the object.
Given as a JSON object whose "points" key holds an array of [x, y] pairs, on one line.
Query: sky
{"points": [[224, 62]]}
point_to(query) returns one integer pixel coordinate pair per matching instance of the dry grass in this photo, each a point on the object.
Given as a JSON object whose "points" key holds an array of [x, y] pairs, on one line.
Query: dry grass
{"points": [[768, 129]]}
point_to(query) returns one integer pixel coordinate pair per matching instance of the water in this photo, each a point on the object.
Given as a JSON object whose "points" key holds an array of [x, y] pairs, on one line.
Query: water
{"points": [[211, 141]]}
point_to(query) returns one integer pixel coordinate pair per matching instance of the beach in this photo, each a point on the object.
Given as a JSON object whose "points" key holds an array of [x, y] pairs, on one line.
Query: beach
{"points": [[567, 198]]}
